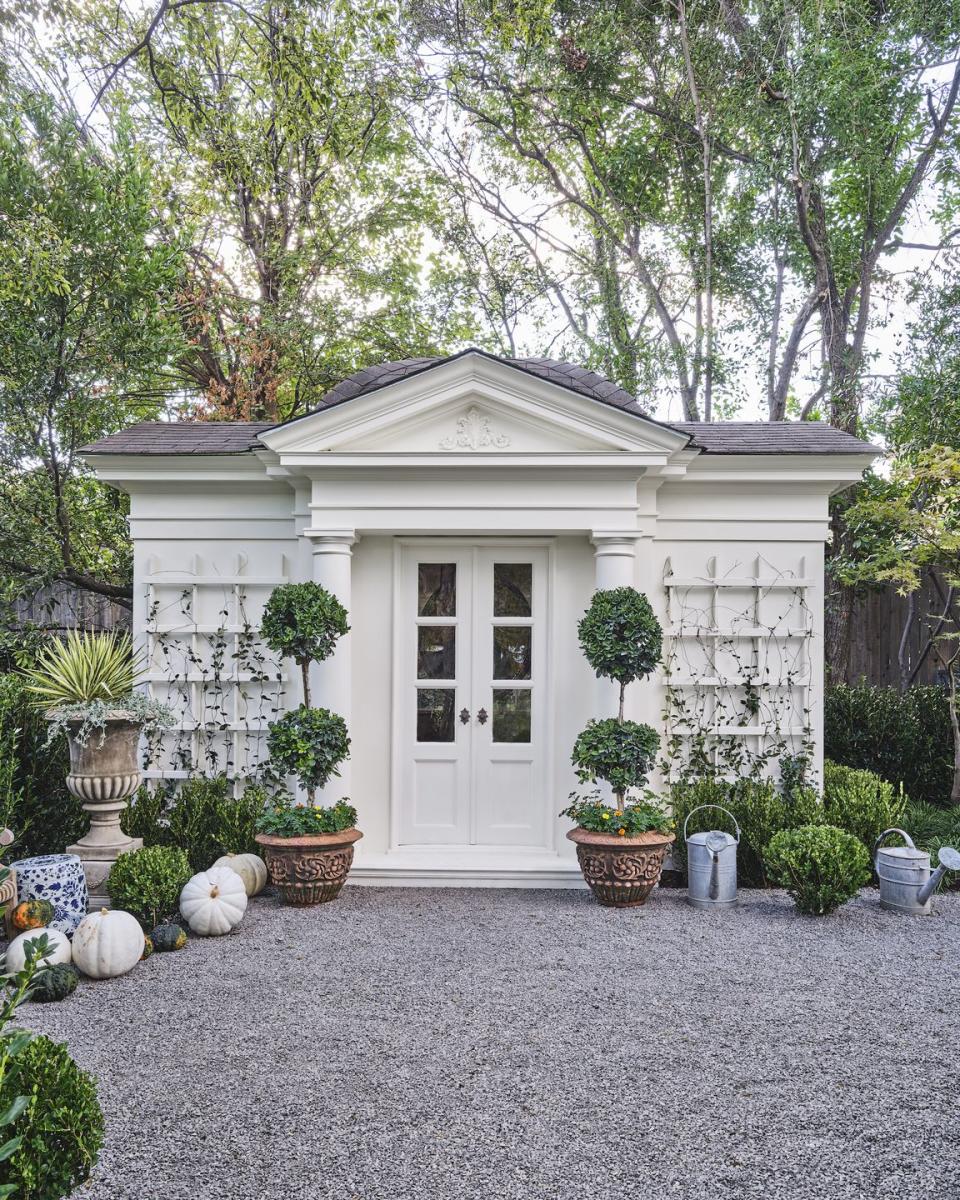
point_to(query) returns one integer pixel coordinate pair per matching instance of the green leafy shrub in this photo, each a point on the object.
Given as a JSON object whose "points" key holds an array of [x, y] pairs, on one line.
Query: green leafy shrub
{"points": [[148, 882], [760, 808], [201, 816], [303, 621], [619, 752], [904, 738], [309, 743], [61, 1126], [592, 814], [34, 801], [304, 820], [860, 802], [620, 635], [821, 866], [931, 828]]}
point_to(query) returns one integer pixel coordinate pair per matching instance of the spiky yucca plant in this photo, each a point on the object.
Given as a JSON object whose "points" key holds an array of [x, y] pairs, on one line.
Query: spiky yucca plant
{"points": [[84, 667]]}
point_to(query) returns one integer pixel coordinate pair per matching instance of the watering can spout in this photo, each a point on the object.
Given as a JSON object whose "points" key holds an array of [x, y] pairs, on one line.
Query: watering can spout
{"points": [[949, 860]]}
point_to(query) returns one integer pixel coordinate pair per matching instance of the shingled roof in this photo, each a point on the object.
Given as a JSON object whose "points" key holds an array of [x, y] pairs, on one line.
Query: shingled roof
{"points": [[725, 437]]}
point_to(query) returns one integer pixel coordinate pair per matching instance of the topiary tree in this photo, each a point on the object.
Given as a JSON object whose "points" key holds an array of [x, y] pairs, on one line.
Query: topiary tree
{"points": [[304, 621], [622, 640]]}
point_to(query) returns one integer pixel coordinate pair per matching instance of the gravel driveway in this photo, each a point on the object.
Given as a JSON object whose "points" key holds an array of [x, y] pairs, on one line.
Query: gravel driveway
{"points": [[500, 1044]]}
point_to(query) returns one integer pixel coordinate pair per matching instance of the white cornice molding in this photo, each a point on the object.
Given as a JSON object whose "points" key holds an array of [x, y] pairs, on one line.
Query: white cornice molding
{"points": [[835, 470], [125, 471]]}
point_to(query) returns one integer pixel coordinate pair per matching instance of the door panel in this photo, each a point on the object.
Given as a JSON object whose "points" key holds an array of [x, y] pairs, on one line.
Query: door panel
{"points": [[473, 723]]}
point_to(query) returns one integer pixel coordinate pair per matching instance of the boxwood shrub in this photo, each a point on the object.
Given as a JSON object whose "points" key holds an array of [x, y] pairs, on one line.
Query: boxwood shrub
{"points": [[821, 866], [903, 737], [760, 808], [148, 882], [860, 802], [61, 1127]]}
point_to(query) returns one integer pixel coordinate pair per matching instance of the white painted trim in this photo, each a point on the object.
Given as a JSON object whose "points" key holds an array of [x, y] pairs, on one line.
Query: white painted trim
{"points": [[474, 377], [451, 868]]}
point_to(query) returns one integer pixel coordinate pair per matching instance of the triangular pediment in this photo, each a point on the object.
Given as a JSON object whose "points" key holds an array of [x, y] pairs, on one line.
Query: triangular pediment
{"points": [[472, 406]]}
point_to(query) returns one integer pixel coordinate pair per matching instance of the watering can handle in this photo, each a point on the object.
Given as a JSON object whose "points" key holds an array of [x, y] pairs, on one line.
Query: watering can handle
{"points": [[717, 806], [903, 833]]}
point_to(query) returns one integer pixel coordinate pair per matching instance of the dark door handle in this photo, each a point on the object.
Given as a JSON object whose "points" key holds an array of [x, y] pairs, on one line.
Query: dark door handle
{"points": [[464, 716], [482, 716]]}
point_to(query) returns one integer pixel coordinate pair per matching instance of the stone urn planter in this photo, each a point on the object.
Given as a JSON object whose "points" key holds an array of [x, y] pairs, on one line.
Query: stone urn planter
{"points": [[104, 774], [621, 871], [310, 869]]}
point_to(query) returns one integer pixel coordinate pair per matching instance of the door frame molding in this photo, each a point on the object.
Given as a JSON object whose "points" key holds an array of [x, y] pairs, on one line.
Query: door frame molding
{"points": [[399, 621]]}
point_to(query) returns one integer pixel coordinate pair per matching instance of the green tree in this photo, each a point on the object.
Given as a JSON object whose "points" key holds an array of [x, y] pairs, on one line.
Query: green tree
{"points": [[87, 284], [911, 528], [281, 129], [707, 190]]}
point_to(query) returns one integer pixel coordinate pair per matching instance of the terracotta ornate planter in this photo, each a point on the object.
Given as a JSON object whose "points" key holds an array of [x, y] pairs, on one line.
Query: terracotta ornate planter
{"points": [[309, 870], [620, 871], [104, 774]]}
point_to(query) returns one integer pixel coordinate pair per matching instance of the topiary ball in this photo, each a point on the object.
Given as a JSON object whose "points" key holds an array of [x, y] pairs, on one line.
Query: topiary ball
{"points": [[168, 937], [54, 983]]}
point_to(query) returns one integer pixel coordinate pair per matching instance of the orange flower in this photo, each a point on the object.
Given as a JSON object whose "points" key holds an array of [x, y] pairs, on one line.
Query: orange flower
{"points": [[621, 831]]}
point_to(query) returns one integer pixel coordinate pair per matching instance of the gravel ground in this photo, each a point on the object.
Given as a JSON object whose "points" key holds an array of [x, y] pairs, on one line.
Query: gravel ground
{"points": [[498, 1044]]}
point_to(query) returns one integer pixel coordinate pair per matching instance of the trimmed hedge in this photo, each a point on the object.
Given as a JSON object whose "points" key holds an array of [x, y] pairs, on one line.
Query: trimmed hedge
{"points": [[821, 866], [903, 737]]}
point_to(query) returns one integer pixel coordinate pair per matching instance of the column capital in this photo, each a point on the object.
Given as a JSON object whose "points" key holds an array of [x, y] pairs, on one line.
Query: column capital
{"points": [[616, 541], [332, 541]]}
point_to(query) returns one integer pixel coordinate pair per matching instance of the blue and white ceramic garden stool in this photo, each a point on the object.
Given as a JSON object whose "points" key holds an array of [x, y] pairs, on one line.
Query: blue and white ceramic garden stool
{"points": [[58, 878]]}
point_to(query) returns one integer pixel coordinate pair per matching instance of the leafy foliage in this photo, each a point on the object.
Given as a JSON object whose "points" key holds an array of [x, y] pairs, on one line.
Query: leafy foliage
{"points": [[620, 636], [88, 719], [88, 273], [303, 621], [305, 820], [83, 666], [283, 131], [590, 813], [148, 882], [36, 805], [202, 817], [760, 809], [621, 753], [309, 743], [821, 866], [903, 737], [860, 803], [61, 1127]]}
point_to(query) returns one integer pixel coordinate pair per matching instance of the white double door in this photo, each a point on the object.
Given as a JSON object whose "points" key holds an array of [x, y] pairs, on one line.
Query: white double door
{"points": [[471, 703]]}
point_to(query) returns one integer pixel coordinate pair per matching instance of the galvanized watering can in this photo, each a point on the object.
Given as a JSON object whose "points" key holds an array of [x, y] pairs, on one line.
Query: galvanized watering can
{"points": [[906, 884], [712, 864]]}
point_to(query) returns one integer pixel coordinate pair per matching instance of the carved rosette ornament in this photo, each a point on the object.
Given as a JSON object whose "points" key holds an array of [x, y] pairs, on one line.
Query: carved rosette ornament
{"points": [[309, 870], [621, 872]]}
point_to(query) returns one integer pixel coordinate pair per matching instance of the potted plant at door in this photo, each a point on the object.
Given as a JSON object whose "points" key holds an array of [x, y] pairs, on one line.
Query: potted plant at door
{"points": [[85, 683], [308, 847], [620, 847]]}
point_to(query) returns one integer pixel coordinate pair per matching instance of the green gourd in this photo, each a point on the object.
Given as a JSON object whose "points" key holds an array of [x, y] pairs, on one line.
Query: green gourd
{"points": [[54, 983], [168, 937], [147, 948], [31, 914]]}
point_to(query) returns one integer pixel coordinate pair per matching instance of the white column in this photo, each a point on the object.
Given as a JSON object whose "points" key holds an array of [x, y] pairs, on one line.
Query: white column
{"points": [[615, 565], [331, 682]]}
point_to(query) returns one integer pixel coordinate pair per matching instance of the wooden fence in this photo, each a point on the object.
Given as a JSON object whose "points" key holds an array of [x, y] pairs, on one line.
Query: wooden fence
{"points": [[60, 606], [889, 635]]}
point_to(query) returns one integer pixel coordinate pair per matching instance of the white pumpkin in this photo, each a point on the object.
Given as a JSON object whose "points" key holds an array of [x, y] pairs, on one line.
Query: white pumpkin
{"points": [[250, 867], [107, 943], [17, 950], [213, 902]]}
